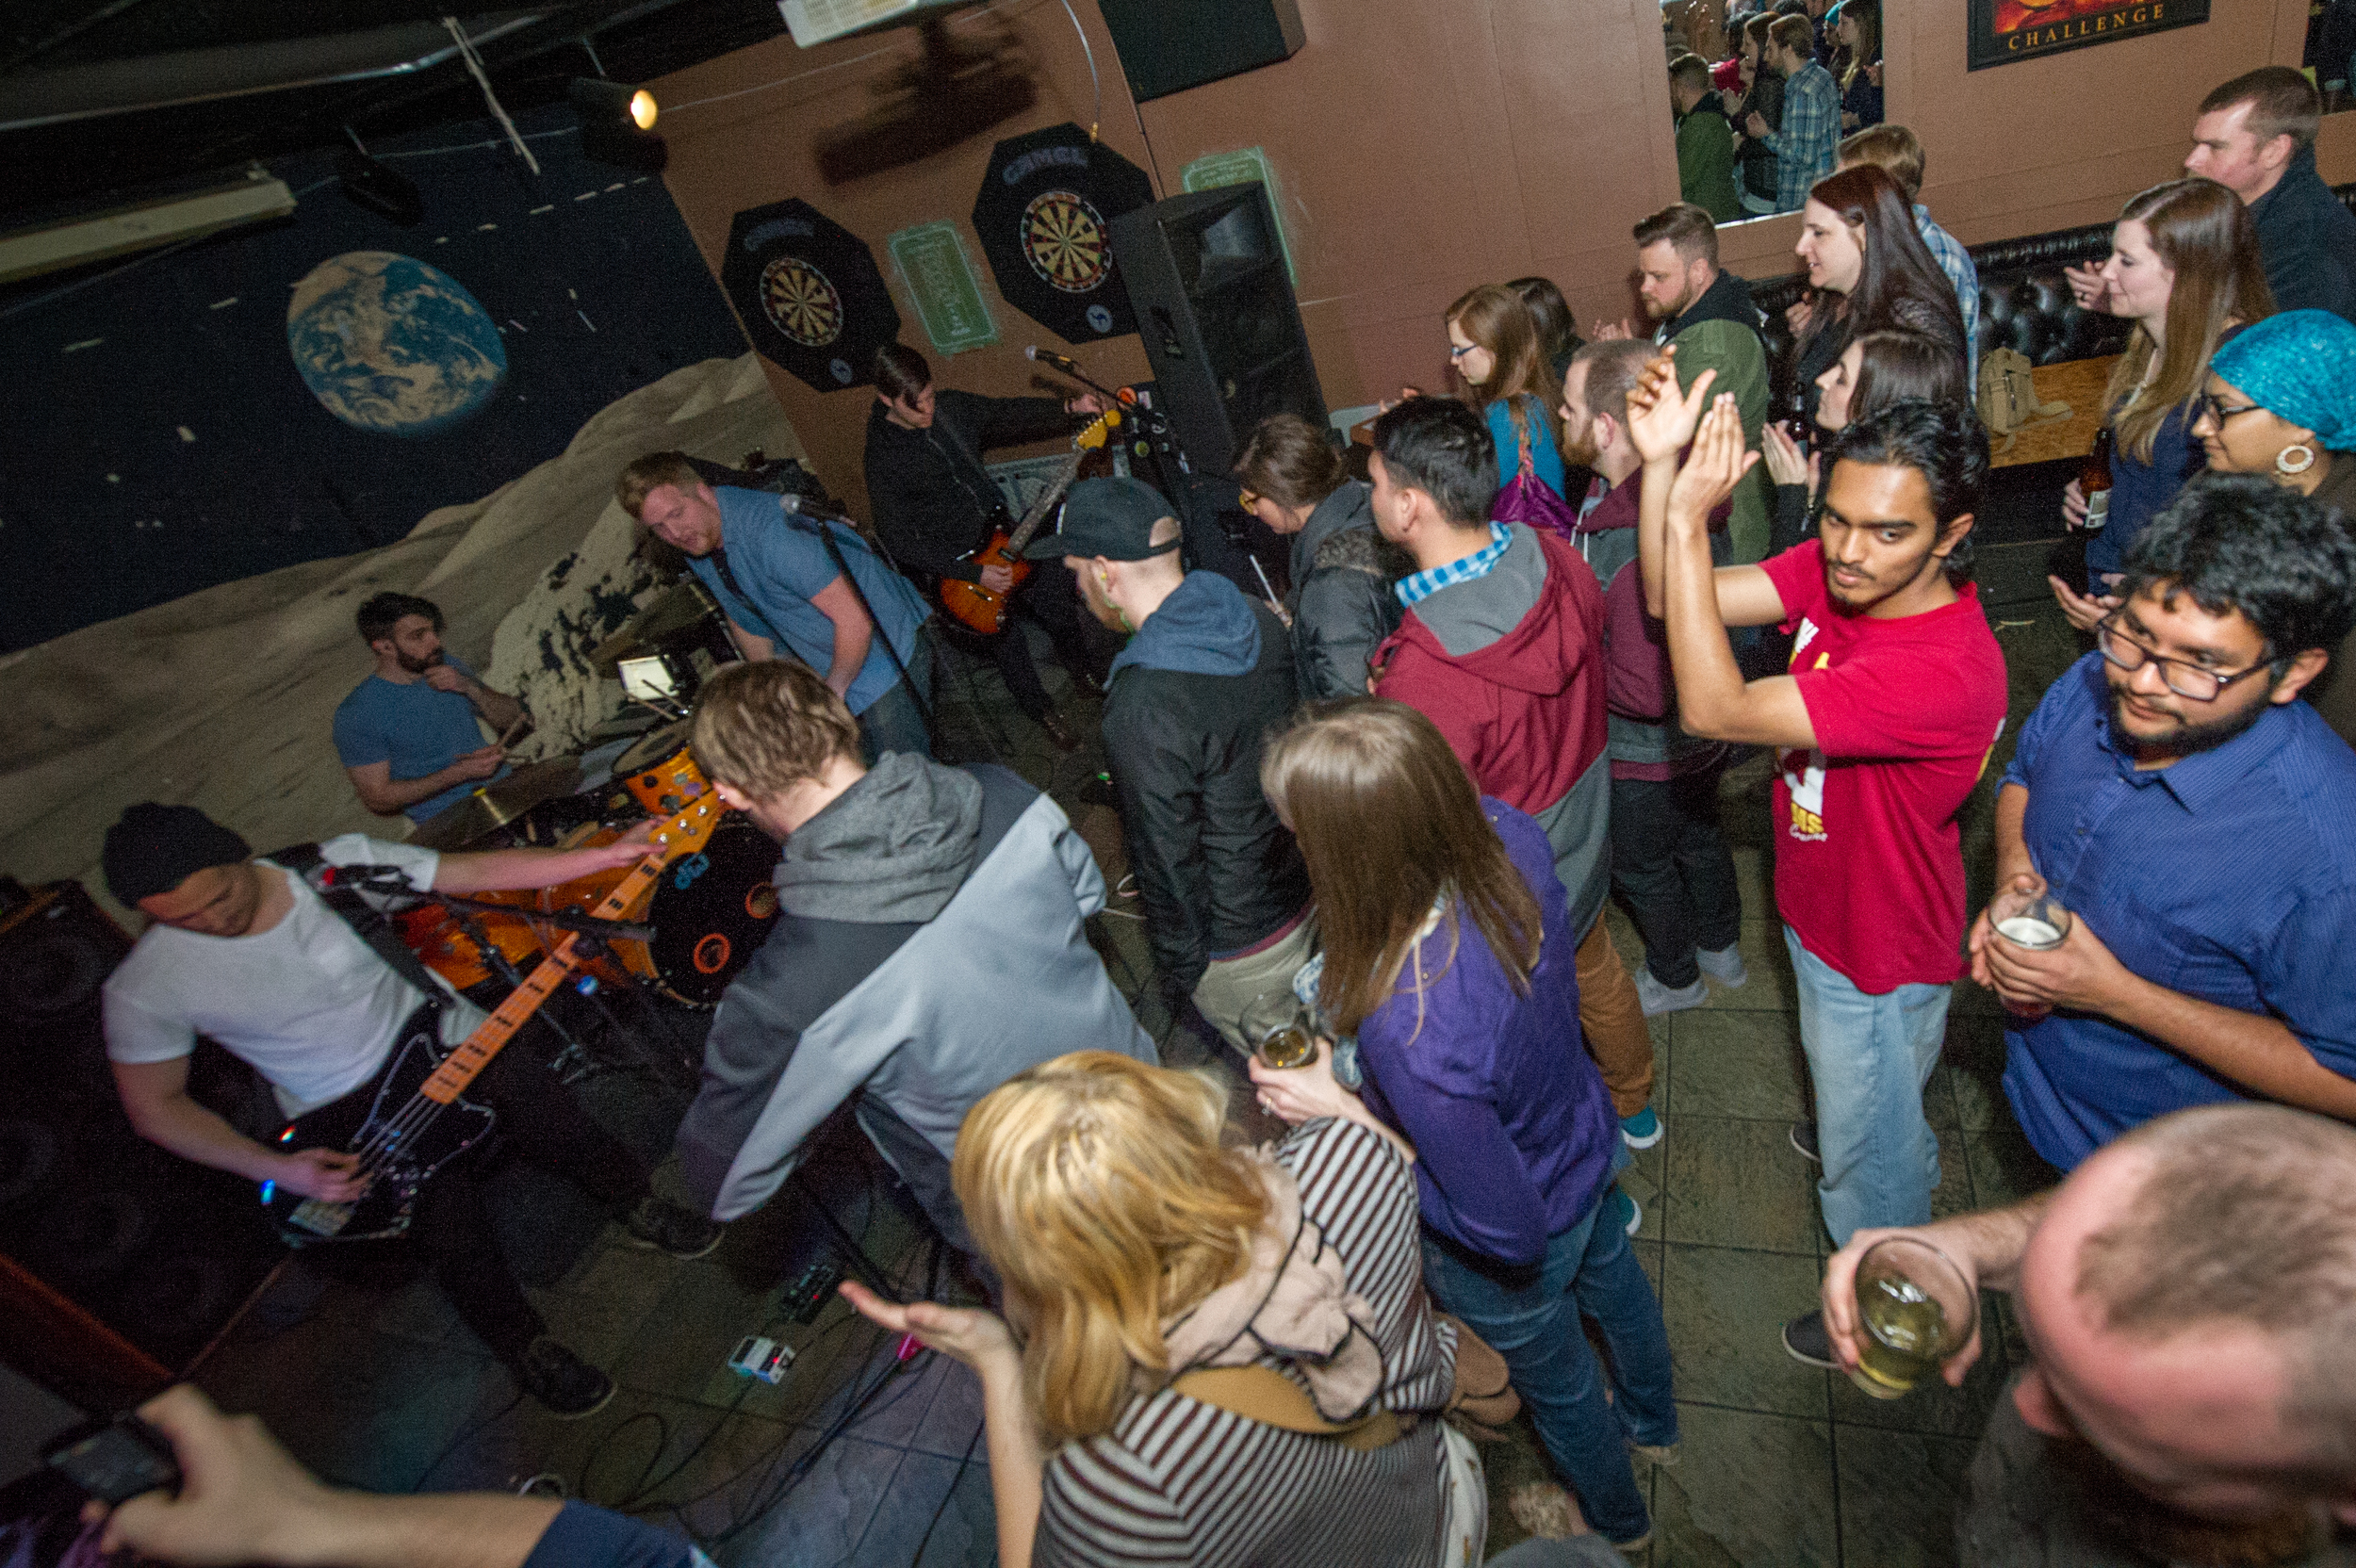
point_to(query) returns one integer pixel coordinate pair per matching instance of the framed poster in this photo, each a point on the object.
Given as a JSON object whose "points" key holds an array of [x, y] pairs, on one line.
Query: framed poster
{"points": [[2004, 31], [933, 266]]}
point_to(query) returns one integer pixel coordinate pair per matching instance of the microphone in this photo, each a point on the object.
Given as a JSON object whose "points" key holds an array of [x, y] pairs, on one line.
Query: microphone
{"points": [[799, 507], [1059, 361], [376, 879]]}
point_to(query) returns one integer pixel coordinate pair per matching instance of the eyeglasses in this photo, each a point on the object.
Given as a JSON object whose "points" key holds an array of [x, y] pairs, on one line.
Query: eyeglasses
{"points": [[2181, 676], [2207, 403], [1458, 352], [1247, 498]]}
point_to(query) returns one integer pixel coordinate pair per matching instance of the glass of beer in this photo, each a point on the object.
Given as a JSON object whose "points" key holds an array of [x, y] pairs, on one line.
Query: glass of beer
{"points": [[1279, 1030], [1916, 1310], [2035, 921]]}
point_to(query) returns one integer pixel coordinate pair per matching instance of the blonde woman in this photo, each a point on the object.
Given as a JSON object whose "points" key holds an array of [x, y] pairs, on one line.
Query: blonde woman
{"points": [[1136, 1246], [2185, 267]]}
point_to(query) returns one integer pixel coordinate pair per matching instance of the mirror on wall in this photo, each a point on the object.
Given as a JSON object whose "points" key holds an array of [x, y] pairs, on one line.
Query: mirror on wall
{"points": [[1738, 75]]}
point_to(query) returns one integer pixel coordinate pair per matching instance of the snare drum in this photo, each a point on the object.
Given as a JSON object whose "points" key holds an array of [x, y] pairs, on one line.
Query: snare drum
{"points": [[659, 770], [710, 911]]}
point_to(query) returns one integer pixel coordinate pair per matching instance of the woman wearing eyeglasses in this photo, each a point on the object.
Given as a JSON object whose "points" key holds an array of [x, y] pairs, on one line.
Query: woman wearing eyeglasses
{"points": [[2184, 269], [2280, 401], [1493, 343]]}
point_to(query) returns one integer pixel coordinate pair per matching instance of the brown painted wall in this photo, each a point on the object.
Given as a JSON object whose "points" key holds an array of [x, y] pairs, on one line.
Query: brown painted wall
{"points": [[1422, 146]]}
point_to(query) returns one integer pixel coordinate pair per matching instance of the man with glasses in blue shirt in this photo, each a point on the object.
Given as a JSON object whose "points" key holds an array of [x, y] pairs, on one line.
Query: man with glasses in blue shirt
{"points": [[2195, 820]]}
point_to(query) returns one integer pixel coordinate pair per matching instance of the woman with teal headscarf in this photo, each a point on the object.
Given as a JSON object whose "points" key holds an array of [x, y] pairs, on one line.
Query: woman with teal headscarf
{"points": [[2281, 400]]}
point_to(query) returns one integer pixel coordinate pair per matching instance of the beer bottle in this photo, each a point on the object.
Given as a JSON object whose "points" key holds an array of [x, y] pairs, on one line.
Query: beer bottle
{"points": [[2094, 479], [1796, 422]]}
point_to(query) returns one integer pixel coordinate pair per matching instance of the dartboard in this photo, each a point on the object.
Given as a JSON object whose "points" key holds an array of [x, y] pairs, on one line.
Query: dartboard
{"points": [[1064, 237], [801, 301]]}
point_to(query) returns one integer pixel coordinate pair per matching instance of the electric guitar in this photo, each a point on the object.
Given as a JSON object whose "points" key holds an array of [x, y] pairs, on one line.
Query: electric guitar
{"points": [[412, 1119], [978, 607]]}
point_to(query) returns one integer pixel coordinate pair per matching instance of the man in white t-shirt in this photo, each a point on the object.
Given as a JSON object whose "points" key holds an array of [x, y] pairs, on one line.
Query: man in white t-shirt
{"points": [[246, 952]]}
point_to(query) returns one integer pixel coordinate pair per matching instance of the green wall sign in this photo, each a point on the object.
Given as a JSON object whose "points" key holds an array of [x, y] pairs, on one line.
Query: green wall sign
{"points": [[938, 277], [1241, 168]]}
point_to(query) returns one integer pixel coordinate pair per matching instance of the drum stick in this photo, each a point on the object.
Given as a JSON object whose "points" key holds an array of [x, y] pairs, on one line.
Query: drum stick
{"points": [[522, 721]]}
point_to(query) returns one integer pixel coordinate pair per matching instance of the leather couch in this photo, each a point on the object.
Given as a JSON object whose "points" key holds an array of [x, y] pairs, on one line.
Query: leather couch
{"points": [[2025, 301]]}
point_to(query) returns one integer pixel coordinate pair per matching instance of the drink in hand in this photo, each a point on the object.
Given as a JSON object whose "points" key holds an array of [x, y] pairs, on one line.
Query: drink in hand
{"points": [[2028, 931], [1916, 1309]]}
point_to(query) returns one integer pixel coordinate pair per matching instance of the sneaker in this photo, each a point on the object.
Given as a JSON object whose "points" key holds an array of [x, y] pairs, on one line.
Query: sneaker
{"points": [[1630, 1548], [1545, 1511], [1725, 965], [1657, 999], [659, 1223], [1804, 1139], [1662, 1454], [1804, 1340], [1643, 1130], [568, 1386], [1635, 1214]]}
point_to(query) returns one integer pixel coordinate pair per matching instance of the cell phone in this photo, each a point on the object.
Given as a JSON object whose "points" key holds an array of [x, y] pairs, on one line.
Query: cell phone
{"points": [[114, 1460]]}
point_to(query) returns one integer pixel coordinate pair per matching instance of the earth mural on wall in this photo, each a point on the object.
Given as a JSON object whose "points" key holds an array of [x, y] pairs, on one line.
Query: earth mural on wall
{"points": [[392, 345]]}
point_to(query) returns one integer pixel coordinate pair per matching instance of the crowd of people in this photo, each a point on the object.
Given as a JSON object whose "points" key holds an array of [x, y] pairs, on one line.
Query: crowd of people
{"points": [[1763, 95], [1385, 809]]}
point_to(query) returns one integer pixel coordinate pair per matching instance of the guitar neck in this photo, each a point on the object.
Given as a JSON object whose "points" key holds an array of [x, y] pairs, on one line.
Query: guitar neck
{"points": [[460, 1066], [1044, 505]]}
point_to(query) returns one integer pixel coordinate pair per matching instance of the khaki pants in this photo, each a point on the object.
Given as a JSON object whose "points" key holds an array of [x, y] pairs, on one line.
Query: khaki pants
{"points": [[1229, 985], [1611, 1018]]}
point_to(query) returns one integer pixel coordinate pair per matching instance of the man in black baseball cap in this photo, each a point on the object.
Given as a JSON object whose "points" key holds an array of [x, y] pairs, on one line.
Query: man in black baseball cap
{"points": [[1207, 675]]}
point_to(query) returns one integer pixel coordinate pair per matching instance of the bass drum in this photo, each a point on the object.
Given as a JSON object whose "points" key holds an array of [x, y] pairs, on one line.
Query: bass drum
{"points": [[710, 911]]}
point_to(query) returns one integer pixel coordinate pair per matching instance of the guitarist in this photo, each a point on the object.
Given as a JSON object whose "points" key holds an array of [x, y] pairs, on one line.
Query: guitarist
{"points": [[247, 952], [934, 503]]}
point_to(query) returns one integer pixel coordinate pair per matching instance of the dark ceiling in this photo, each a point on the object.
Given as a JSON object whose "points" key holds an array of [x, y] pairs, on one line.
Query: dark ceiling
{"points": [[109, 100]]}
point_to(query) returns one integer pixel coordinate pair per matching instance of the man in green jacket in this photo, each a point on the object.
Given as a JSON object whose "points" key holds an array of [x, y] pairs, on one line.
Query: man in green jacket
{"points": [[1709, 315], [1705, 141]]}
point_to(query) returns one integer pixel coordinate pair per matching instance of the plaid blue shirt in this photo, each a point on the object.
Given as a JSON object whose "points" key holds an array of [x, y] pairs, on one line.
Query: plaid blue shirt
{"points": [[1956, 262], [1417, 586], [1809, 144]]}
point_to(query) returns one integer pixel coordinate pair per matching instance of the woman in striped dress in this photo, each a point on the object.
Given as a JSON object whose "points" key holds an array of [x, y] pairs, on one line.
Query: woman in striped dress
{"points": [[1137, 1246]]}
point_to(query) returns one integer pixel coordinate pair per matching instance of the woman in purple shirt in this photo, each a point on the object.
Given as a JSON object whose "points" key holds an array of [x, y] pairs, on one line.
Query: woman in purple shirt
{"points": [[1448, 955]]}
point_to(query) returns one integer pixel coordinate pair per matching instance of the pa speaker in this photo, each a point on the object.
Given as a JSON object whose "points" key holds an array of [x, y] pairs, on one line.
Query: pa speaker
{"points": [[1214, 304], [1167, 47]]}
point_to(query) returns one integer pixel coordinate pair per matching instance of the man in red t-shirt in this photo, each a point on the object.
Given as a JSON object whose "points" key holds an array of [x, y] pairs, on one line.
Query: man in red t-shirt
{"points": [[1894, 699]]}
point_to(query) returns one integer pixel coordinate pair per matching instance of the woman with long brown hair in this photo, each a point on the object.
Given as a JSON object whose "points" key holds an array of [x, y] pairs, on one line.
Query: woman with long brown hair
{"points": [[2185, 267], [1868, 270], [1493, 343], [1875, 370], [1451, 968], [1164, 1282]]}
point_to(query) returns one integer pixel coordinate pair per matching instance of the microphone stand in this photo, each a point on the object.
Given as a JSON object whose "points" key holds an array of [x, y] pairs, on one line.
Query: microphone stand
{"points": [[821, 523]]}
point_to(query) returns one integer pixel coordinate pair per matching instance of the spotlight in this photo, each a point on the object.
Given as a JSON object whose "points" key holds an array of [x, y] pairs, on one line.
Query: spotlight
{"points": [[367, 183], [617, 104], [616, 121]]}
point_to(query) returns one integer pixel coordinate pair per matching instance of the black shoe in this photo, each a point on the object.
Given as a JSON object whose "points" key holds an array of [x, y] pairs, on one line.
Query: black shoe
{"points": [[1804, 1139], [1804, 1340], [568, 1386], [1097, 790], [1059, 734], [659, 1223]]}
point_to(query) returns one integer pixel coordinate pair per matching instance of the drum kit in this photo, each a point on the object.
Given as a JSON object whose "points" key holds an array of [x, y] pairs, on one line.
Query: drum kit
{"points": [[690, 934]]}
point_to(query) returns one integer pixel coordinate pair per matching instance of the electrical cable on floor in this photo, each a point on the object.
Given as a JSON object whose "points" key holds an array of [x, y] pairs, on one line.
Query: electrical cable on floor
{"points": [[467, 1435], [963, 1460]]}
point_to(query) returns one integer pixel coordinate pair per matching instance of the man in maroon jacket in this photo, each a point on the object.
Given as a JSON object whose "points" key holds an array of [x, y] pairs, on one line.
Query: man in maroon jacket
{"points": [[1502, 648]]}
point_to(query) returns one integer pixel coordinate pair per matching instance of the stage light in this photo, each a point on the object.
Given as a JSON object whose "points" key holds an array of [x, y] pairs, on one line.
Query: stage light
{"points": [[617, 104], [367, 183]]}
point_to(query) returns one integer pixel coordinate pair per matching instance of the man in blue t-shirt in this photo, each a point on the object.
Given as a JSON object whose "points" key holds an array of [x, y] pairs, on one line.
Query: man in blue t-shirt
{"points": [[407, 735], [776, 580], [2192, 816]]}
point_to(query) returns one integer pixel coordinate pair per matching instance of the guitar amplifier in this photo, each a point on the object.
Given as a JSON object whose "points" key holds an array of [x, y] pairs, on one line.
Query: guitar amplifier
{"points": [[160, 1251]]}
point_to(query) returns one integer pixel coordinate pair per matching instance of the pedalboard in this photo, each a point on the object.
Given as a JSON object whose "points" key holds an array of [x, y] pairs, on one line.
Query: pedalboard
{"points": [[806, 1296], [765, 1359]]}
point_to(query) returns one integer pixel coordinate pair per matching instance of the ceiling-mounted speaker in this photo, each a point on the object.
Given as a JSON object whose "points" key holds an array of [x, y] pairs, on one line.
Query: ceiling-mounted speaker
{"points": [[367, 183], [1167, 47]]}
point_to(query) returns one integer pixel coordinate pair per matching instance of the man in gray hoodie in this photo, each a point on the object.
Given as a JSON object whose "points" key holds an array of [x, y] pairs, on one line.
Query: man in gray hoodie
{"points": [[1206, 675], [929, 947]]}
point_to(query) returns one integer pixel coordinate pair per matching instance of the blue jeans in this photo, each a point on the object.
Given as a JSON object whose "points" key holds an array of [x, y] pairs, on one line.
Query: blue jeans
{"points": [[893, 722], [1870, 1057], [1531, 1318]]}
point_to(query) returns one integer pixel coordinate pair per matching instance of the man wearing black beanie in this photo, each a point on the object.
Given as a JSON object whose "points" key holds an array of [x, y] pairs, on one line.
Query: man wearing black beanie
{"points": [[245, 951]]}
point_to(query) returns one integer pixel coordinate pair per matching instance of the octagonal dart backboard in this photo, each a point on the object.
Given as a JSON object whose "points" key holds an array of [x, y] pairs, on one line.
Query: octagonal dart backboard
{"points": [[810, 293], [1044, 218]]}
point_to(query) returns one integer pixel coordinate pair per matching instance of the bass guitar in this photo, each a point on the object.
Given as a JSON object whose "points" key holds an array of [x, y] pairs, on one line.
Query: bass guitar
{"points": [[978, 607], [412, 1119]]}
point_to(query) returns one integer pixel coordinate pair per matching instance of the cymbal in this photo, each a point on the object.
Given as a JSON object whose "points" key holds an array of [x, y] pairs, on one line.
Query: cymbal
{"points": [[493, 806], [674, 610]]}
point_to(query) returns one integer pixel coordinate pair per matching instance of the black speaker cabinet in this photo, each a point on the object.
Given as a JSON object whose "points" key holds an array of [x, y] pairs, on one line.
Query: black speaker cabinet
{"points": [[1169, 46], [1217, 312], [160, 1251]]}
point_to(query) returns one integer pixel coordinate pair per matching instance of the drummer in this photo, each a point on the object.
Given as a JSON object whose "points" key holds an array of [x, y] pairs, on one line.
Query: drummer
{"points": [[408, 735]]}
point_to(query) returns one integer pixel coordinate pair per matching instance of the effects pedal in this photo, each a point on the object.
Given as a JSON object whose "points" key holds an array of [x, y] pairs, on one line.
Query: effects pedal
{"points": [[808, 1296], [765, 1359]]}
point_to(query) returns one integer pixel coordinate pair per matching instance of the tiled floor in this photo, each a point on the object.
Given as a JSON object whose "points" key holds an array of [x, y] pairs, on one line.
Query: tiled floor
{"points": [[858, 1459]]}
